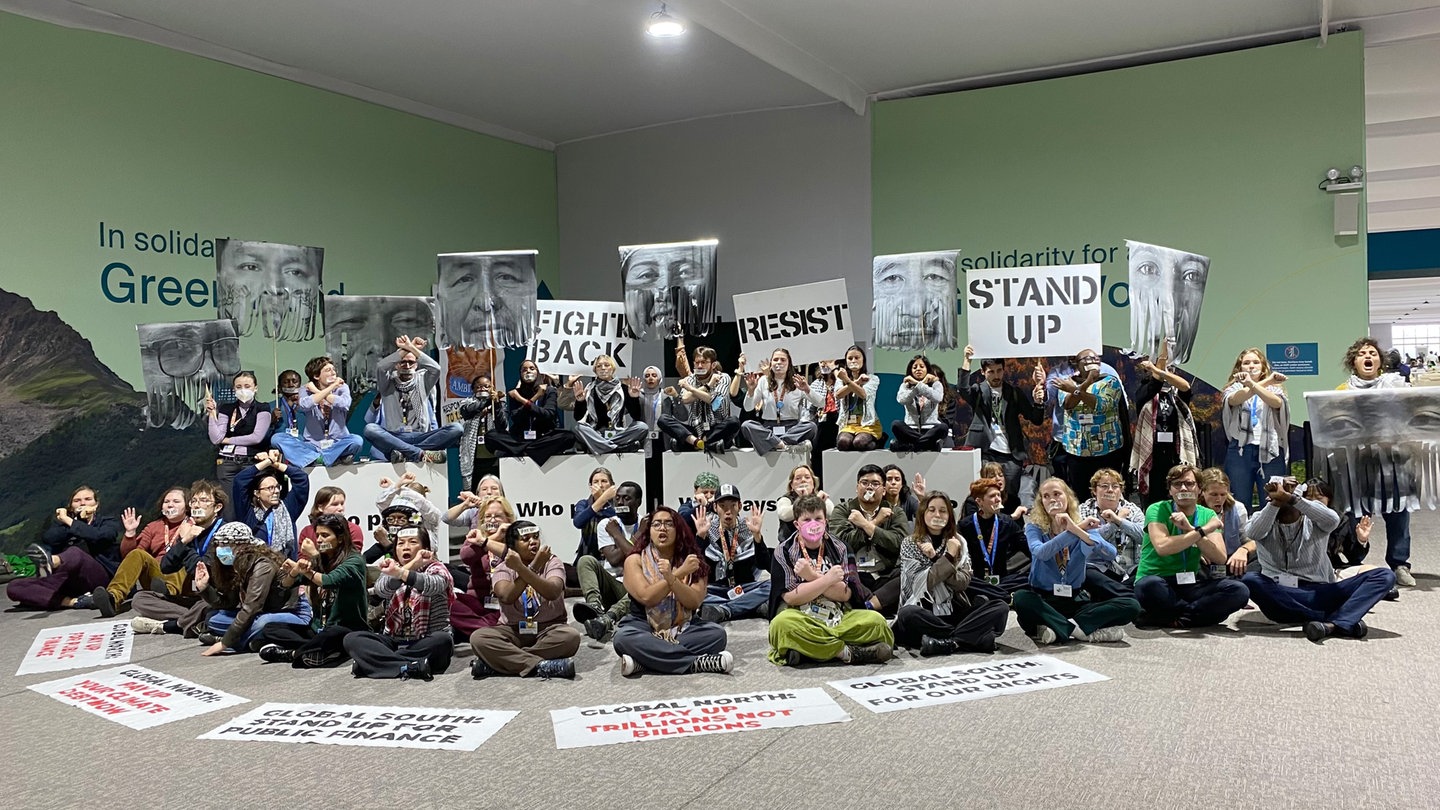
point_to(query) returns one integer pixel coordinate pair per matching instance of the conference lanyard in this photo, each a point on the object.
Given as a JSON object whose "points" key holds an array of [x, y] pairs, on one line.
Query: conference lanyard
{"points": [[994, 540], [1184, 555], [206, 545], [530, 603]]}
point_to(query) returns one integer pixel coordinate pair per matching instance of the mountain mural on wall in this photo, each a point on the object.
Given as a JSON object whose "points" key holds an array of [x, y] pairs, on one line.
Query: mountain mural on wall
{"points": [[66, 419]]}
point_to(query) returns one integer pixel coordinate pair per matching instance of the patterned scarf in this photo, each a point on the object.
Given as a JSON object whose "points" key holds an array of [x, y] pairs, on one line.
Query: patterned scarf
{"points": [[280, 529], [915, 576], [609, 393], [407, 617], [667, 617], [1142, 453]]}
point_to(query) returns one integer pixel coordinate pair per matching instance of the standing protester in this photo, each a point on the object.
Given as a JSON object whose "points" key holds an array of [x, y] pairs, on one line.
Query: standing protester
{"points": [[1164, 429], [1256, 418], [737, 555], [75, 556], [238, 429], [608, 411], [532, 638], [405, 427], [1094, 434], [998, 407]]}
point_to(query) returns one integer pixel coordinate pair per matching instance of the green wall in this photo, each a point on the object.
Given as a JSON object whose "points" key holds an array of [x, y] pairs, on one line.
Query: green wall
{"points": [[100, 128], [1218, 155]]}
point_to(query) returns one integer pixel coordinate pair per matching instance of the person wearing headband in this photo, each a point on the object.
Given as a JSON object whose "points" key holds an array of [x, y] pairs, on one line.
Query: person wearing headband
{"points": [[1180, 580], [237, 429], [417, 590], [872, 532], [605, 602], [532, 638], [76, 555]]}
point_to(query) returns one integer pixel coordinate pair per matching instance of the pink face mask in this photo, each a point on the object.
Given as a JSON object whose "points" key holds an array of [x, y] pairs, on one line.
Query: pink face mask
{"points": [[812, 530]]}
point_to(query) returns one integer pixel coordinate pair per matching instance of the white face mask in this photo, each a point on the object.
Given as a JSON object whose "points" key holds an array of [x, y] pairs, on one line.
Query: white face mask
{"points": [[244, 395], [198, 512]]}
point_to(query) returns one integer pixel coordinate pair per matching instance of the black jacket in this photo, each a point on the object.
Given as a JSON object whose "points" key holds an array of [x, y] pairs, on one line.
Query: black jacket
{"points": [[1017, 403]]}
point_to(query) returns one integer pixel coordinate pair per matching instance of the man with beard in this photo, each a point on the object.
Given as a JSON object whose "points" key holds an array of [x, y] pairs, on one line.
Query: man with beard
{"points": [[406, 428]]}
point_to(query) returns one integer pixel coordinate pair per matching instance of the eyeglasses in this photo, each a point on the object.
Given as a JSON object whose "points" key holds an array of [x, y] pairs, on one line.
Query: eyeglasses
{"points": [[662, 524], [405, 364], [271, 488], [199, 501], [1109, 486], [183, 356], [871, 482], [1185, 485]]}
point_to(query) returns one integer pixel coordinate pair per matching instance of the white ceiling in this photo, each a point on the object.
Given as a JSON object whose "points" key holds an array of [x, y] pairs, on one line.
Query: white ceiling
{"points": [[1405, 301]]}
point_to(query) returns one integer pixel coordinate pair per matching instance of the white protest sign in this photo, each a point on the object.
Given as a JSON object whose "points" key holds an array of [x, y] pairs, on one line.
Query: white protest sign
{"points": [[812, 321], [687, 717], [371, 726], [573, 333], [761, 479], [950, 471], [78, 646], [933, 687], [1033, 311], [361, 483], [136, 697], [546, 494]]}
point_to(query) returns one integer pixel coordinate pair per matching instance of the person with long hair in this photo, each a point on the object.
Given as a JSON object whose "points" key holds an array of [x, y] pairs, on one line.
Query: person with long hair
{"points": [[1182, 539], [532, 638], [704, 395], [417, 590], [240, 579], [75, 555], [330, 500], [1216, 495], [1057, 606], [237, 429], [855, 391], [802, 481], [533, 420], [608, 417], [937, 613], [920, 395], [335, 572], [993, 538], [666, 576], [478, 606], [899, 494], [1255, 413], [141, 551], [783, 400], [1164, 430], [827, 413]]}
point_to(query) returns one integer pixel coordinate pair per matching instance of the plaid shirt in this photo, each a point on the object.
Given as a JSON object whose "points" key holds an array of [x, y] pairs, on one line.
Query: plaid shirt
{"points": [[1094, 430]]}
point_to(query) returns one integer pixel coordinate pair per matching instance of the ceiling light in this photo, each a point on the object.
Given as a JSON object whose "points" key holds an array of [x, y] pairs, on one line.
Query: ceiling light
{"points": [[663, 26]]}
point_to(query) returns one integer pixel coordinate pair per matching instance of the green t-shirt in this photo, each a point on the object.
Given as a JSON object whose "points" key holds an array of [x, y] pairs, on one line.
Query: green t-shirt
{"points": [[1153, 562]]}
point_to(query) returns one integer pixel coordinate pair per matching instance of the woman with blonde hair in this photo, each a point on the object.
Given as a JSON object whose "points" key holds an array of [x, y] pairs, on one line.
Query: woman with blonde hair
{"points": [[478, 607], [1256, 417]]}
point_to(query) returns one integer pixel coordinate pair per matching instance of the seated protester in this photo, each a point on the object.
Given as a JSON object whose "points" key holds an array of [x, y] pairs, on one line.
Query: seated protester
{"points": [[666, 580], [532, 420], [604, 598], [818, 605], [532, 638], [141, 552], [331, 501], [590, 510], [1122, 524], [802, 482], [75, 555], [269, 499], [705, 395], [1091, 401], [855, 398], [482, 413], [652, 395], [417, 591], [335, 572], [410, 492], [179, 609], [995, 427], [936, 612], [783, 400], [872, 533], [1349, 542], [477, 607], [1164, 430], [287, 420], [466, 513], [1057, 605], [405, 427], [1215, 494], [1295, 582], [238, 429], [607, 411], [733, 550], [707, 484], [993, 539], [240, 580], [991, 469], [1180, 536], [326, 402], [898, 494], [920, 395]]}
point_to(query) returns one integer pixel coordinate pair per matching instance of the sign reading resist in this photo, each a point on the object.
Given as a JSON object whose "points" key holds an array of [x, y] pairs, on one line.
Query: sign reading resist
{"points": [[361, 483], [573, 333], [812, 321], [761, 480], [1033, 311], [136, 697], [932, 687], [546, 495], [725, 714], [78, 646], [372, 726]]}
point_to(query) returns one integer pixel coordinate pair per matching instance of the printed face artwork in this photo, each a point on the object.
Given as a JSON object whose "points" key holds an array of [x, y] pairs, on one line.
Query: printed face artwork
{"points": [[914, 303], [669, 289], [361, 329], [179, 361], [1167, 287], [487, 300], [275, 286], [1378, 448]]}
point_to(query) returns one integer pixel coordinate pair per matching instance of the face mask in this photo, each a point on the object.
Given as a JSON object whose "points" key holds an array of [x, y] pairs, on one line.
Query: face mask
{"points": [[1185, 496], [936, 523], [870, 494], [244, 395], [812, 530], [290, 392], [226, 555], [623, 511]]}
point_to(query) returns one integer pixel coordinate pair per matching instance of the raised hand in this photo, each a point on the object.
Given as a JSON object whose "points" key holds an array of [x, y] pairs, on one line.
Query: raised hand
{"points": [[755, 521], [917, 485], [407, 479], [202, 577], [702, 519], [386, 483], [577, 387], [308, 548], [969, 352], [130, 519], [512, 560], [1362, 529]]}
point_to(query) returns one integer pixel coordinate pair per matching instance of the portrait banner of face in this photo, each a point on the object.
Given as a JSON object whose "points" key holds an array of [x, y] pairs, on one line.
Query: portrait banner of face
{"points": [[276, 286], [487, 300], [179, 361], [361, 329], [1167, 287], [914, 301], [669, 288], [1379, 448]]}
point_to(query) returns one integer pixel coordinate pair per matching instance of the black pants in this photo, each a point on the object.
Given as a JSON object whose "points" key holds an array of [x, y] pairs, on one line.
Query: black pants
{"points": [[1161, 460], [723, 430], [975, 627], [908, 439], [1081, 468], [379, 656], [312, 650], [885, 591], [540, 449], [1202, 604], [1102, 585], [225, 471]]}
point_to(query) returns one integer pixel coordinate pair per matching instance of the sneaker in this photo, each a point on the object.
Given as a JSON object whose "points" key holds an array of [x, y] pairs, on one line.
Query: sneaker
{"points": [[793, 658], [38, 554], [479, 670], [1403, 577], [876, 653], [1106, 635], [1319, 631], [146, 626], [584, 612], [699, 445], [715, 613], [629, 666], [1046, 635], [103, 601], [556, 668], [208, 639], [416, 670], [397, 457], [434, 457], [931, 646], [719, 663], [600, 627], [276, 654], [781, 447], [84, 601]]}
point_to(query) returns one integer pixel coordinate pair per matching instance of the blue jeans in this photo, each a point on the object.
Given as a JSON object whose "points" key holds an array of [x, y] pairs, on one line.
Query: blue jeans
{"points": [[1341, 603], [1247, 475], [1397, 538], [221, 620], [746, 604], [410, 443]]}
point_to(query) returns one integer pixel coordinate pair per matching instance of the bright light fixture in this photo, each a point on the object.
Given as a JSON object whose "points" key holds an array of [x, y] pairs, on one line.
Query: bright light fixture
{"points": [[663, 26]]}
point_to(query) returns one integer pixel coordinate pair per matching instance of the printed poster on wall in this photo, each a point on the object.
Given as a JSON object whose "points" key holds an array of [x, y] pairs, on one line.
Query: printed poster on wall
{"points": [[573, 333], [811, 321], [136, 697], [369, 726], [1033, 311], [933, 687], [77, 646], [577, 727]]}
